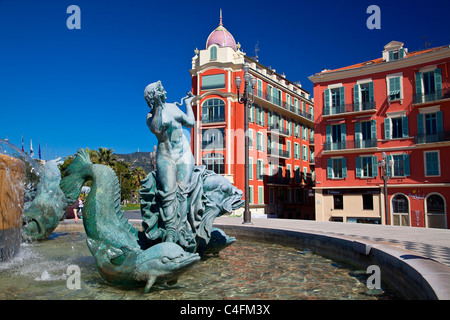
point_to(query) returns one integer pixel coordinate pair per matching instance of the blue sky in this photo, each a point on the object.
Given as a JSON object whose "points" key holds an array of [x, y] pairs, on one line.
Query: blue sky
{"points": [[69, 89]]}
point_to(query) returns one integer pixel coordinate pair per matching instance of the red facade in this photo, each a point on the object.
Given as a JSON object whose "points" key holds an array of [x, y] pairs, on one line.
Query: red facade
{"points": [[399, 106]]}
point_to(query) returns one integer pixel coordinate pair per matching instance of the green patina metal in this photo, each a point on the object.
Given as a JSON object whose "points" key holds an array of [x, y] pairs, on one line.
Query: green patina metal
{"points": [[42, 215], [179, 202]]}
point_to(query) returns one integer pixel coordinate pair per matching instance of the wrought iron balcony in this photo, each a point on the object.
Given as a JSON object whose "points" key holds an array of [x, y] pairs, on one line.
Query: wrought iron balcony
{"points": [[432, 138], [350, 144], [278, 153], [212, 119], [349, 107], [431, 96], [281, 131]]}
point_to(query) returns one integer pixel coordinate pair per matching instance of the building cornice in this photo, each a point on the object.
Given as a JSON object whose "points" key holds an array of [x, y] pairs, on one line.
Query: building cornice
{"points": [[381, 67]]}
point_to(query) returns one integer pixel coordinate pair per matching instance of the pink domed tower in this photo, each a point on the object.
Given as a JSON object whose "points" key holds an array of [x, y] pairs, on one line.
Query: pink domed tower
{"points": [[221, 37]]}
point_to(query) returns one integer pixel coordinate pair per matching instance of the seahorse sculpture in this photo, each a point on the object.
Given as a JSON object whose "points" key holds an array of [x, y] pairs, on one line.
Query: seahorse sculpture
{"points": [[119, 249], [42, 214]]}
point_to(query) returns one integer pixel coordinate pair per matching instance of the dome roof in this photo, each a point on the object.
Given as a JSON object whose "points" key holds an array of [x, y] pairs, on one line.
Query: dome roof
{"points": [[221, 37]]}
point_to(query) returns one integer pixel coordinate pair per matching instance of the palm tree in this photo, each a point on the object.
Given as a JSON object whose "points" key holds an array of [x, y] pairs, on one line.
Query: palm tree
{"points": [[106, 157]]}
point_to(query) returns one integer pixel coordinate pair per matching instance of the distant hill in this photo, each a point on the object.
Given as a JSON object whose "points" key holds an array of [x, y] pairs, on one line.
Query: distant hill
{"points": [[138, 159]]}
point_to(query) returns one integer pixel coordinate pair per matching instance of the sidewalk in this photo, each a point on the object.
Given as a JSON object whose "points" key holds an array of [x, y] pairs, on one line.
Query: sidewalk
{"points": [[431, 243]]}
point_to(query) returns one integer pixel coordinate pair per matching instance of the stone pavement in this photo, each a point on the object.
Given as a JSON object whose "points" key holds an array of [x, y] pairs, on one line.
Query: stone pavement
{"points": [[428, 242], [431, 243]]}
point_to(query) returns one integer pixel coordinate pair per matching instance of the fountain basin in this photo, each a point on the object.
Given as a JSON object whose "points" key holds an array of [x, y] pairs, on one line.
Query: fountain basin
{"points": [[411, 275], [246, 270], [12, 174]]}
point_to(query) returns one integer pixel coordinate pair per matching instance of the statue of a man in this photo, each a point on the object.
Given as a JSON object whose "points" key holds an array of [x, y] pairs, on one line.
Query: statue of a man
{"points": [[174, 159]]}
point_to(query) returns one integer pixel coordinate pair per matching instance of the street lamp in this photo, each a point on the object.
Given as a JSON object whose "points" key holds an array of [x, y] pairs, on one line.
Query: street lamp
{"points": [[383, 164], [246, 99]]}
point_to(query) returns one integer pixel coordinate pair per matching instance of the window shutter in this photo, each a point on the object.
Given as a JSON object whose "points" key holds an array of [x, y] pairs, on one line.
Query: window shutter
{"points": [[388, 167], [329, 168], [342, 97], [327, 97], [328, 137], [358, 167], [356, 94], [406, 164], [391, 55], [263, 116], [374, 166], [371, 92], [343, 136], [344, 167], [387, 128], [405, 129], [419, 87], [358, 134], [258, 170], [438, 83], [373, 130], [420, 128], [250, 168], [439, 122], [401, 53]]}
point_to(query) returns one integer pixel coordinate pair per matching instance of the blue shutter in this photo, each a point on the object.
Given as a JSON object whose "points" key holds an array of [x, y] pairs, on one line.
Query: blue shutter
{"points": [[387, 128], [439, 122], [358, 167], [405, 129], [406, 164], [327, 101], [328, 137], [374, 166], [371, 92], [420, 127], [356, 93], [391, 55], [373, 130], [342, 98], [401, 53], [419, 97], [344, 167], [388, 167], [329, 168], [358, 134], [438, 83], [343, 136]]}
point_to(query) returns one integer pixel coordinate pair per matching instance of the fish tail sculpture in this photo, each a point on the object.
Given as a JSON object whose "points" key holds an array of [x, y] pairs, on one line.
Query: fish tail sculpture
{"points": [[116, 244], [42, 215]]}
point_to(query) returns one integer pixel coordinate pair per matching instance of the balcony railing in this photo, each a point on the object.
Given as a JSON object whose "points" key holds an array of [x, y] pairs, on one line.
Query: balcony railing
{"points": [[431, 138], [349, 107], [283, 104], [350, 144], [278, 153], [211, 119], [431, 96], [281, 131]]}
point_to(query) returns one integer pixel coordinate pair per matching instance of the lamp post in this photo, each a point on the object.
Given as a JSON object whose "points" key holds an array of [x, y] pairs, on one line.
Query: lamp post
{"points": [[246, 99], [383, 165]]}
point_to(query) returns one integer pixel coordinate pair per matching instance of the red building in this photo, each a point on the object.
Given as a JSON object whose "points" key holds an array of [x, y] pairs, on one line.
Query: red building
{"points": [[281, 154], [399, 105]]}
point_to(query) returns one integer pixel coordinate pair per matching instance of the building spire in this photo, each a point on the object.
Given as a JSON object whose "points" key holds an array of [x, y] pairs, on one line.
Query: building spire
{"points": [[220, 23]]}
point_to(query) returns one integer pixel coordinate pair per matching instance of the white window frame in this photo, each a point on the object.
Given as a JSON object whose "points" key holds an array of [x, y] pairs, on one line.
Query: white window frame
{"points": [[395, 75]]}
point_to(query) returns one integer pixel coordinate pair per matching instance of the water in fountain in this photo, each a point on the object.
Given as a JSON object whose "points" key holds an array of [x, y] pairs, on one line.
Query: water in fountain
{"points": [[246, 270], [19, 175]]}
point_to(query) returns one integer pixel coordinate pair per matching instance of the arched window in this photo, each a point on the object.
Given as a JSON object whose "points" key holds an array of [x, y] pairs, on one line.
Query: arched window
{"points": [[213, 110], [214, 162], [435, 211], [213, 53], [400, 210]]}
